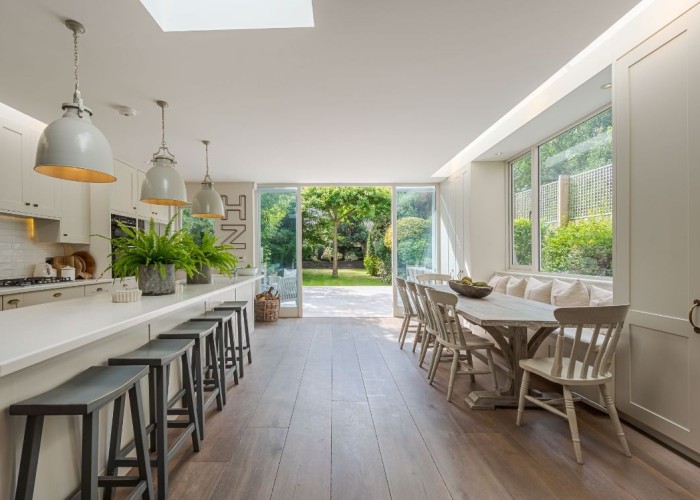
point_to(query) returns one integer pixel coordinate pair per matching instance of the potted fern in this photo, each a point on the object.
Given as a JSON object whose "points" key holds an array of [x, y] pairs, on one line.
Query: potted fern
{"points": [[207, 255], [151, 257]]}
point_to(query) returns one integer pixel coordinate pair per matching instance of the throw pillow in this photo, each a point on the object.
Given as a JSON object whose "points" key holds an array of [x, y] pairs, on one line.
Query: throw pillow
{"points": [[516, 287], [570, 295], [493, 282], [601, 296], [502, 285], [540, 292]]}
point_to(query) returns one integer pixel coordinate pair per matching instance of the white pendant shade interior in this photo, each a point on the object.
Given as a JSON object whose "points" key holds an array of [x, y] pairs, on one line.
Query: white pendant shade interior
{"points": [[71, 147], [207, 203], [163, 184]]}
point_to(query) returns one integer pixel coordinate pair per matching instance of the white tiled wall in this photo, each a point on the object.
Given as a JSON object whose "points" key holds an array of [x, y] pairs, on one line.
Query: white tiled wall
{"points": [[18, 250]]}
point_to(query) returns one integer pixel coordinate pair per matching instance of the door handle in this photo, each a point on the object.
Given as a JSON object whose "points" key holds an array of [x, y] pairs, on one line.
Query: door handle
{"points": [[13, 302], [696, 303], [58, 294]]}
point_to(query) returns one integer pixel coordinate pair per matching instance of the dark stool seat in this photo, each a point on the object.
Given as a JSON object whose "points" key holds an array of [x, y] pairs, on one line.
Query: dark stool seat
{"points": [[84, 395], [240, 309], [201, 332], [159, 354], [227, 353]]}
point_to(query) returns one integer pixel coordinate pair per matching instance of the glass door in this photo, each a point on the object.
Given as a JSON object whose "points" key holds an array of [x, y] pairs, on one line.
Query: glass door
{"points": [[279, 249], [414, 231]]}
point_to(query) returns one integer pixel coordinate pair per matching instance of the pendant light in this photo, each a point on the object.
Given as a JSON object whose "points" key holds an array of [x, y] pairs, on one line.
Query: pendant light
{"points": [[163, 184], [207, 204], [72, 147]]}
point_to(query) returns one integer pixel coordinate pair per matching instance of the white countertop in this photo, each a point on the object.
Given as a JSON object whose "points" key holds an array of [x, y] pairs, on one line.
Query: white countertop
{"points": [[6, 290], [34, 334]]}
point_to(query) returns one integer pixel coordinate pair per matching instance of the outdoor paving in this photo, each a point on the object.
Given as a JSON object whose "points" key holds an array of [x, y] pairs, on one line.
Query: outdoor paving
{"points": [[340, 301]]}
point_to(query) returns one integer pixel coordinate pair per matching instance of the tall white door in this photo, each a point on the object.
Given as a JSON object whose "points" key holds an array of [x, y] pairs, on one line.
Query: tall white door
{"points": [[657, 260]]}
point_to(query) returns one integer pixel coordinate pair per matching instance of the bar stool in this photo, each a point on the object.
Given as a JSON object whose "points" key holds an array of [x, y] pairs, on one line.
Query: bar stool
{"points": [[240, 309], [227, 352], [84, 395], [201, 332], [159, 354]]}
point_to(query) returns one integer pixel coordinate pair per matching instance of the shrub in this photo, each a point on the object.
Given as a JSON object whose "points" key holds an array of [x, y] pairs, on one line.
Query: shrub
{"points": [[522, 241], [372, 264], [580, 247]]}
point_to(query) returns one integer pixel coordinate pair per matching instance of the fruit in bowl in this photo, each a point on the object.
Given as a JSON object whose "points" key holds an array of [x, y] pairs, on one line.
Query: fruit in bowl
{"points": [[469, 288]]}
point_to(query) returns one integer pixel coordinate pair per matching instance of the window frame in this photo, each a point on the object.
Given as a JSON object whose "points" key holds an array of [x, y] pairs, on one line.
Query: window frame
{"points": [[534, 151]]}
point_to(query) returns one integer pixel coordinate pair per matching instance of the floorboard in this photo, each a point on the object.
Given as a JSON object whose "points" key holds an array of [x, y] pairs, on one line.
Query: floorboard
{"points": [[332, 408]]}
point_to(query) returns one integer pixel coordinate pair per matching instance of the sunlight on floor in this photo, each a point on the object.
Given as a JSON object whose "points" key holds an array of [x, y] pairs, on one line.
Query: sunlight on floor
{"points": [[346, 301]]}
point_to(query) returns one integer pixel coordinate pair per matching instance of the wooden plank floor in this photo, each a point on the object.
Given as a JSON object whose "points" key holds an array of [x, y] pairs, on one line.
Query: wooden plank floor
{"points": [[332, 408]]}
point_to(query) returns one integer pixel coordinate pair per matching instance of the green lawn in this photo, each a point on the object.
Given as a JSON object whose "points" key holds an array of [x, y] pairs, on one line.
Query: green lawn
{"points": [[347, 277]]}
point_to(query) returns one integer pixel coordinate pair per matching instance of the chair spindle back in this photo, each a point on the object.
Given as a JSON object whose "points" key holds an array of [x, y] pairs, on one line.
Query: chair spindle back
{"points": [[403, 293], [433, 278], [417, 305], [444, 308]]}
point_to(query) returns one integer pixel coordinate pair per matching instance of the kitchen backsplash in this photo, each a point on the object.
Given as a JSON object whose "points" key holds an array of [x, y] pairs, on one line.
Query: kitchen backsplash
{"points": [[19, 251]]}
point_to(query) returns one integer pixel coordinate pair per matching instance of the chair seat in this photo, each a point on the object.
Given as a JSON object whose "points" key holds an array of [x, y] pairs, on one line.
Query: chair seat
{"points": [[190, 330], [543, 368], [233, 304], [471, 341], [83, 394], [158, 352], [220, 315]]}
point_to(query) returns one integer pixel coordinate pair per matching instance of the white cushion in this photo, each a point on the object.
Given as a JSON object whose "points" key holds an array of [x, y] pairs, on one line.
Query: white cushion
{"points": [[499, 283], [601, 296], [570, 295], [539, 291], [516, 287]]}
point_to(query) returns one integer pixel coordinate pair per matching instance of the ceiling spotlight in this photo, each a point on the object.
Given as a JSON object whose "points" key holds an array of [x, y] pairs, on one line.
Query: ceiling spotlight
{"points": [[127, 111]]}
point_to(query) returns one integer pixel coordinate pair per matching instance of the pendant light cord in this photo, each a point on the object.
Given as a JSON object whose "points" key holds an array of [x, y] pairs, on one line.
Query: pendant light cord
{"points": [[163, 151], [77, 98], [162, 124], [206, 156]]}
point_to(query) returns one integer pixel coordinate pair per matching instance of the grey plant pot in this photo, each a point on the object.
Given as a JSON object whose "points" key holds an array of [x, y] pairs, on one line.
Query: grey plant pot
{"points": [[152, 283], [202, 276]]}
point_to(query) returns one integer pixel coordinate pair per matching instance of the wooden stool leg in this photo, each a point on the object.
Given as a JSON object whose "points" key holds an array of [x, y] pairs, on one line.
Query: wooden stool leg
{"points": [[161, 431], [189, 399], [222, 359], [573, 425], [152, 409], [524, 387], [239, 326], [612, 411], [88, 459], [218, 384], [30, 457], [247, 334], [115, 442], [198, 377], [137, 420]]}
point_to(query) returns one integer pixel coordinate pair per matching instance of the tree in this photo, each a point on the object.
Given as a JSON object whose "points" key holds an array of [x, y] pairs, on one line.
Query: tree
{"points": [[325, 208], [277, 229]]}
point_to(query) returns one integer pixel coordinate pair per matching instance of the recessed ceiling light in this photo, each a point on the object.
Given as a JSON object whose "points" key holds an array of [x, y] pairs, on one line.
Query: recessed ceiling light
{"points": [[127, 111], [498, 154], [606, 86]]}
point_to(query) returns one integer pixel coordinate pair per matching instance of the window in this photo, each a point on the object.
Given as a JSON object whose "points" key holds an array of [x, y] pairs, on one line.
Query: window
{"points": [[196, 226], [521, 211], [574, 201]]}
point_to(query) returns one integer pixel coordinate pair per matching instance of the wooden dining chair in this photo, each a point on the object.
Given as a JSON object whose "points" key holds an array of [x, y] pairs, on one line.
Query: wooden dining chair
{"points": [[409, 312], [606, 323], [457, 339], [421, 318], [433, 278], [430, 328]]}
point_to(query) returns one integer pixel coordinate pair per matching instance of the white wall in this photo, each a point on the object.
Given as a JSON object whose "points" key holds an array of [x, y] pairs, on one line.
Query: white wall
{"points": [[473, 221], [19, 249]]}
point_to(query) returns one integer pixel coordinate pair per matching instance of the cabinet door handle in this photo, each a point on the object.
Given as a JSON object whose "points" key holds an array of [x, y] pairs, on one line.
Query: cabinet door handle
{"points": [[36, 204], [696, 303], [27, 203], [58, 294], [13, 301], [99, 289], [65, 234]]}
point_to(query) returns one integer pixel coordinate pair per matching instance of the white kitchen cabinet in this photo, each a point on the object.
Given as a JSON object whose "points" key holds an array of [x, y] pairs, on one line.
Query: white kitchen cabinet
{"points": [[74, 224], [97, 289], [23, 190], [126, 195], [12, 301]]}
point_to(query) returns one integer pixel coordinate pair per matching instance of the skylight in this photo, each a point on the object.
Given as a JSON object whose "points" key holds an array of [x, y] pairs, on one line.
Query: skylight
{"points": [[206, 15]]}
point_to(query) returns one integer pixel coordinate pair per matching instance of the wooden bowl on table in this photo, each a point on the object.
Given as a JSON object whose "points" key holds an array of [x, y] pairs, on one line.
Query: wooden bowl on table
{"points": [[471, 291]]}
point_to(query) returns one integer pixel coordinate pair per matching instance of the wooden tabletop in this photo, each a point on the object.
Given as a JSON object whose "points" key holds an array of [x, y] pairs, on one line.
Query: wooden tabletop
{"points": [[504, 310]]}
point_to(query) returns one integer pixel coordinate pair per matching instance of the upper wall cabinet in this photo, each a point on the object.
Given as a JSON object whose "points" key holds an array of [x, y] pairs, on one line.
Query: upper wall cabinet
{"points": [[126, 194], [22, 190], [74, 225]]}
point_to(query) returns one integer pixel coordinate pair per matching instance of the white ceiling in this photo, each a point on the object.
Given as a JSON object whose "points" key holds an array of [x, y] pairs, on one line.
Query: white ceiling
{"points": [[378, 91]]}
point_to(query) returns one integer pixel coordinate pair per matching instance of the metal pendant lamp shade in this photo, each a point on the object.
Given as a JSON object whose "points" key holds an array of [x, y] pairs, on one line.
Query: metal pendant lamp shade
{"points": [[163, 184], [72, 147], [207, 203]]}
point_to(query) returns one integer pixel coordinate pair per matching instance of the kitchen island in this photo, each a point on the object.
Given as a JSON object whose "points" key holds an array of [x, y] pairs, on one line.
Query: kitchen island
{"points": [[44, 345]]}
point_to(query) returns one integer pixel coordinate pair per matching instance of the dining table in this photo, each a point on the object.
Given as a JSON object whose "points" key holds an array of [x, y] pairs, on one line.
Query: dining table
{"points": [[507, 319]]}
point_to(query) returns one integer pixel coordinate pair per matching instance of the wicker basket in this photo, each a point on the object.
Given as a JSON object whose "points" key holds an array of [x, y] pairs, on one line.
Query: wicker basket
{"points": [[267, 307]]}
